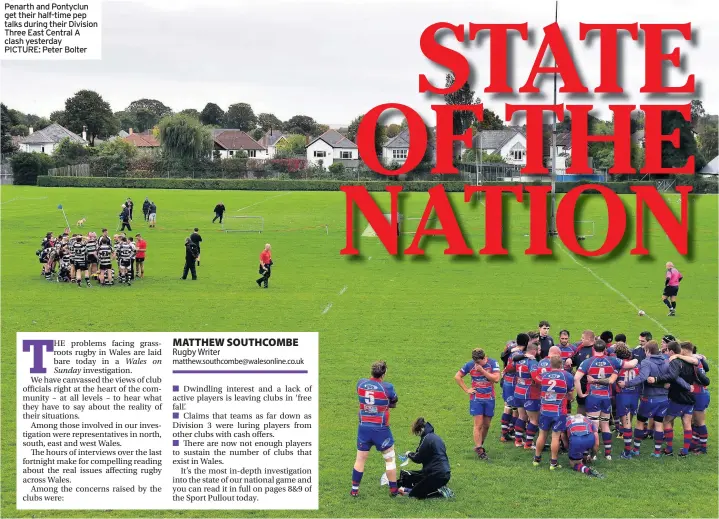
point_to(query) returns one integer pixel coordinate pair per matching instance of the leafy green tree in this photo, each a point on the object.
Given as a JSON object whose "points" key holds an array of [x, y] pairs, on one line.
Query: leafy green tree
{"points": [[301, 124], [148, 112], [293, 144], [392, 130], [19, 130], [191, 112], [69, 152], [117, 147], [266, 121], [490, 121], [27, 167], [212, 115], [58, 117], [127, 120], [88, 109], [6, 122], [241, 116], [184, 137]]}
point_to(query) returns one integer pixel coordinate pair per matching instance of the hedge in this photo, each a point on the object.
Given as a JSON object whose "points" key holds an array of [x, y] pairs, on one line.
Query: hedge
{"points": [[284, 185]]}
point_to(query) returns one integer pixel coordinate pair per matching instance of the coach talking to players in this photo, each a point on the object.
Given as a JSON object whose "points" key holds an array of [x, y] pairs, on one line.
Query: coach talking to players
{"points": [[265, 266]]}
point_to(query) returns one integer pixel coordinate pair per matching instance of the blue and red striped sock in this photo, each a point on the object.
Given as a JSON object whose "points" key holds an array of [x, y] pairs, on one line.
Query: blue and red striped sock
{"points": [[356, 480], [505, 423], [669, 438], [512, 423], [607, 441], [703, 435], [519, 431], [393, 487], [687, 441], [627, 433], [581, 467], [658, 441], [531, 431], [638, 434]]}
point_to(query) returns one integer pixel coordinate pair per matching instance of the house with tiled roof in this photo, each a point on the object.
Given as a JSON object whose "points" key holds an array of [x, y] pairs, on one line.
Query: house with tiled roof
{"points": [[510, 144], [270, 140], [231, 142], [331, 147], [145, 142], [47, 139]]}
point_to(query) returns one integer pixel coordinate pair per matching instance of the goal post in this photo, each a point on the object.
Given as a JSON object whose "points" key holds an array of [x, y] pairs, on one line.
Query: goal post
{"points": [[243, 224], [409, 226]]}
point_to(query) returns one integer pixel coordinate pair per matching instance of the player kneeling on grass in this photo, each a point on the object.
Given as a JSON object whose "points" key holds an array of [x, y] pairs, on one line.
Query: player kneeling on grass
{"points": [[432, 455], [682, 376], [376, 397], [583, 437], [484, 373], [557, 385]]}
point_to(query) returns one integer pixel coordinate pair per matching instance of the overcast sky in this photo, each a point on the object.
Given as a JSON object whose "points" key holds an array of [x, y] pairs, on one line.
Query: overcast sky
{"points": [[334, 60]]}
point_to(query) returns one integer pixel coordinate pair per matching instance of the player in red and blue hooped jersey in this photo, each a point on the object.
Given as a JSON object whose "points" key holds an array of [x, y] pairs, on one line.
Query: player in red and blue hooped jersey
{"points": [[509, 413], [376, 398], [598, 397], [557, 387], [484, 373], [701, 402], [583, 437], [627, 398], [526, 396]]}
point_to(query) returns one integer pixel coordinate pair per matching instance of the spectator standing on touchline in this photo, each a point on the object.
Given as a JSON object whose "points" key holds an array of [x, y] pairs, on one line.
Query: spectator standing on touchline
{"points": [[219, 211], [196, 239], [265, 266]]}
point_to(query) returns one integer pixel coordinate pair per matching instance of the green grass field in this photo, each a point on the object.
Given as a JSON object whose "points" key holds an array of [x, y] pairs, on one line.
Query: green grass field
{"points": [[423, 315]]}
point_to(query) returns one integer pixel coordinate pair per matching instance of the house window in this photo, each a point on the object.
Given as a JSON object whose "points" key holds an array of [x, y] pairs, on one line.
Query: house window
{"points": [[517, 152], [231, 153], [399, 154], [345, 154], [252, 153], [320, 154], [42, 149]]}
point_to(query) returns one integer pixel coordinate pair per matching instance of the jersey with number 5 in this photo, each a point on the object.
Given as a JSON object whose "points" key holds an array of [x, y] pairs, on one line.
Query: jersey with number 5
{"points": [[625, 375], [375, 398]]}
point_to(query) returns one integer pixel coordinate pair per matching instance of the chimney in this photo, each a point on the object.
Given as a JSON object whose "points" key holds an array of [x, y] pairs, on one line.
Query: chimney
{"points": [[130, 131], [84, 133], [29, 131]]}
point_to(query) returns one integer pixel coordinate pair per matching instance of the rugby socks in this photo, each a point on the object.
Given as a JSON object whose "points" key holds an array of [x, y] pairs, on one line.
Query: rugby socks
{"points": [[512, 423], [669, 439], [393, 488], [356, 479], [638, 435], [668, 303], [505, 423], [687, 441], [674, 305], [658, 441], [695, 437], [553, 463], [531, 431], [627, 434], [607, 440], [519, 432], [702, 434], [581, 467]]}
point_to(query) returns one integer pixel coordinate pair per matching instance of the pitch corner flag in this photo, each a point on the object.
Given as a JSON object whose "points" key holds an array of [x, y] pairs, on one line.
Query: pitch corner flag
{"points": [[59, 206]]}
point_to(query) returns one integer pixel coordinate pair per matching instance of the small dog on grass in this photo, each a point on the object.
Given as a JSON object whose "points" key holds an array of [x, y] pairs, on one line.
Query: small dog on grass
{"points": [[81, 222]]}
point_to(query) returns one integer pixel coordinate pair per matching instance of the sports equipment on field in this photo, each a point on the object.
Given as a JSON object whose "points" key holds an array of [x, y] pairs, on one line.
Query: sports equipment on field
{"points": [[641, 313]]}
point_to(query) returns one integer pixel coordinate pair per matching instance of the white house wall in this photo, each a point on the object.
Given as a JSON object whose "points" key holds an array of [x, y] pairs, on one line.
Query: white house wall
{"points": [[504, 152]]}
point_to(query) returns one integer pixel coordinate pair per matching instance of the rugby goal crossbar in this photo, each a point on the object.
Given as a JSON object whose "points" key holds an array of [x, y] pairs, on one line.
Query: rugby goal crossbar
{"points": [[243, 224], [588, 225], [412, 223]]}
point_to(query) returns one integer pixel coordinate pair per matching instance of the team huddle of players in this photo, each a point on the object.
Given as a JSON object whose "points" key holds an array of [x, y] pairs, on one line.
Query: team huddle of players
{"points": [[70, 258], [613, 384], [652, 384]]}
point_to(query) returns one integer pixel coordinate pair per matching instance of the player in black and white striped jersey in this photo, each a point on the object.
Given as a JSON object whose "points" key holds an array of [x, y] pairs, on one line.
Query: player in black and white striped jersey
{"points": [[78, 247], [124, 256], [92, 254], [104, 257]]}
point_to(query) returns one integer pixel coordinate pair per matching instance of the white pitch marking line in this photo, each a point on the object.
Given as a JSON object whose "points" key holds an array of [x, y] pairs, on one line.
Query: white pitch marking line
{"points": [[265, 200], [327, 309], [614, 290], [343, 290]]}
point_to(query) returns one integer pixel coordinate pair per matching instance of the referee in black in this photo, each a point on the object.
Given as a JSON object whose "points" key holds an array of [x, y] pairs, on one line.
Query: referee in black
{"points": [[196, 239]]}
